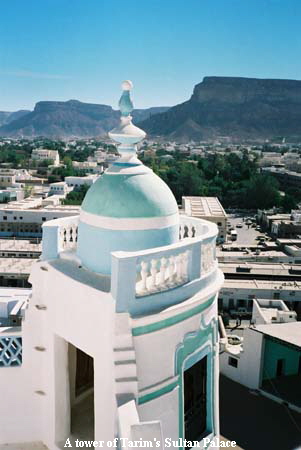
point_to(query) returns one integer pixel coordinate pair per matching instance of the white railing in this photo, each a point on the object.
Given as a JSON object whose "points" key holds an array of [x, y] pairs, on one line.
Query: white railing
{"points": [[147, 272], [139, 274], [59, 235], [162, 272]]}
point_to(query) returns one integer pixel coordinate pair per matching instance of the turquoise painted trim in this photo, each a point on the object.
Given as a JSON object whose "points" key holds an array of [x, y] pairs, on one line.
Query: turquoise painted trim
{"points": [[145, 329], [126, 164], [156, 394], [194, 347]]}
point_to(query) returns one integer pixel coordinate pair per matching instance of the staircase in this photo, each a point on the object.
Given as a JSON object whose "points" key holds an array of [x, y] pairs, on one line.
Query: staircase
{"points": [[125, 361]]}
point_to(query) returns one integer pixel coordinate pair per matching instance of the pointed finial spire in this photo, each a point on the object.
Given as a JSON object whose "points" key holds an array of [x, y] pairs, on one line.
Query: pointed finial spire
{"points": [[126, 134], [125, 103]]}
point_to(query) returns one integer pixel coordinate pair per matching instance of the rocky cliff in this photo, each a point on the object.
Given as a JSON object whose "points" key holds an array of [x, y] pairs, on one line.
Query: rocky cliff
{"points": [[68, 119], [235, 107]]}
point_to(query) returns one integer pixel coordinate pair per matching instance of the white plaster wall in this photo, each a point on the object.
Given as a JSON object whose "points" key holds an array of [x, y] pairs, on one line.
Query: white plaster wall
{"points": [[251, 358], [235, 373], [76, 313], [155, 365], [155, 356], [249, 361], [166, 410], [243, 293]]}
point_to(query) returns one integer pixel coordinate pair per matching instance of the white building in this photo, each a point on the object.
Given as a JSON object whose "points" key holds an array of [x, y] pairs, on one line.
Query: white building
{"points": [[25, 218], [76, 182], [42, 154], [271, 311], [240, 293], [60, 188], [268, 360], [120, 339], [12, 306], [207, 208]]}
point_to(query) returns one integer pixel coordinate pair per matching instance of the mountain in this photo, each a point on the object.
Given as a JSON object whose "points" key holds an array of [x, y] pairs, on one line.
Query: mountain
{"points": [[7, 117], [234, 107], [69, 119]]}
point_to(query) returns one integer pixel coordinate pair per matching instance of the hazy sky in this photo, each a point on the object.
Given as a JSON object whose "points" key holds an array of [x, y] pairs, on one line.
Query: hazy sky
{"points": [[83, 49]]}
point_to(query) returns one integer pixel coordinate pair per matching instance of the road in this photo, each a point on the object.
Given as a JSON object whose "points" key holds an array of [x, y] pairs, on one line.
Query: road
{"points": [[245, 235], [256, 422]]}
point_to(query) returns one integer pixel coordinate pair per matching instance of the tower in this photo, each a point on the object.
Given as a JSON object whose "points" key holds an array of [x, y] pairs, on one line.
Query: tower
{"points": [[120, 336], [128, 208]]}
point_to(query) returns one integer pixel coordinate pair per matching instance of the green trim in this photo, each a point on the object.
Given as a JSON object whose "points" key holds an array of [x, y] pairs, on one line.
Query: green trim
{"points": [[171, 320], [159, 393], [191, 344]]}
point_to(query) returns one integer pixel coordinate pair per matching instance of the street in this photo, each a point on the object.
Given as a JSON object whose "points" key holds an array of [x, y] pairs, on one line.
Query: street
{"points": [[255, 422], [245, 235]]}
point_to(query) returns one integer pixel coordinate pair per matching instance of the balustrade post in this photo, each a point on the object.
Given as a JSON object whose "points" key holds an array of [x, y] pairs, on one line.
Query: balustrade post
{"points": [[194, 266], [153, 272], [123, 280], [144, 273], [51, 242]]}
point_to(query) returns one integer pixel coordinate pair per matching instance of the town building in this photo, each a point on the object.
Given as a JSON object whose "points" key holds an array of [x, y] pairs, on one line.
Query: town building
{"points": [[207, 208], [42, 154], [237, 293], [268, 358], [271, 311], [12, 306], [25, 218], [76, 182], [59, 188], [120, 338]]}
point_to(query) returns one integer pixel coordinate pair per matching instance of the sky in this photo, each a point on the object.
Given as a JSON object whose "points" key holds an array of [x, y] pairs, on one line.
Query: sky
{"points": [[83, 49]]}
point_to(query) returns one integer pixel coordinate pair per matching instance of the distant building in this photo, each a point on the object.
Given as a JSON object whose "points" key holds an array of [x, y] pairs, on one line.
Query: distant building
{"points": [[7, 179], [42, 154], [25, 218], [267, 360], [240, 293], [286, 228], [271, 311], [285, 177], [11, 194], [12, 305], [60, 188], [207, 208], [75, 182]]}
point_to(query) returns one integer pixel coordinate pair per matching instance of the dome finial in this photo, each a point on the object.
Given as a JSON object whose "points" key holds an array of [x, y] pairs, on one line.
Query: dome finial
{"points": [[126, 134], [125, 103]]}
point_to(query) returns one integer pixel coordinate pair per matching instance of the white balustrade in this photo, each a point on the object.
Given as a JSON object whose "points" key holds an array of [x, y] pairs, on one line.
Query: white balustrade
{"points": [[162, 273], [190, 228], [207, 257], [59, 235], [68, 235]]}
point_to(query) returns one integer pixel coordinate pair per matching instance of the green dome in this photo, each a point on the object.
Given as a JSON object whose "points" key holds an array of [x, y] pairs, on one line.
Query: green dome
{"points": [[129, 196]]}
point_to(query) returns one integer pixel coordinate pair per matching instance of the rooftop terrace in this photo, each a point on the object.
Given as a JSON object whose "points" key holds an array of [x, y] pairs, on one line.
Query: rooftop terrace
{"points": [[144, 281]]}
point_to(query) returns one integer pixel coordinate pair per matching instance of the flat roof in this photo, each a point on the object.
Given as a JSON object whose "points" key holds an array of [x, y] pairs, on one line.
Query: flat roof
{"points": [[203, 207], [287, 332], [16, 265], [262, 266], [19, 245], [261, 284]]}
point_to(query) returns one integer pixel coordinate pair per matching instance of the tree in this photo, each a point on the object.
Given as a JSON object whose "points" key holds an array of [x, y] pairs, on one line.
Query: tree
{"points": [[76, 196], [262, 192]]}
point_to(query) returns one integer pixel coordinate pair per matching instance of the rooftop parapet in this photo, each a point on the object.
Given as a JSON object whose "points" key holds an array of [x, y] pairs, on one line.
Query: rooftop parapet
{"points": [[149, 280]]}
